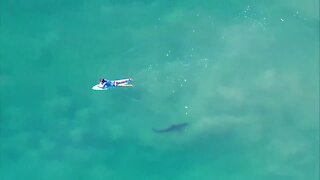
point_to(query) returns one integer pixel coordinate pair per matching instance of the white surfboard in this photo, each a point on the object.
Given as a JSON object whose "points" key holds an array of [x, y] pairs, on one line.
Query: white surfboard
{"points": [[98, 88]]}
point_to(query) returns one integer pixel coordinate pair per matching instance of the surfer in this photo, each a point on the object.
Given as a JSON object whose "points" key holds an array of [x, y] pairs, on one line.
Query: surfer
{"points": [[105, 83]]}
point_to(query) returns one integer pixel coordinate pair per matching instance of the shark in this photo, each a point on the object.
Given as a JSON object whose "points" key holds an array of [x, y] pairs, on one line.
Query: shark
{"points": [[173, 128]]}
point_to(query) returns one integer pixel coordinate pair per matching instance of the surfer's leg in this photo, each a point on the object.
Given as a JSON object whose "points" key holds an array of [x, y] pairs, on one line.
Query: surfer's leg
{"points": [[122, 81]]}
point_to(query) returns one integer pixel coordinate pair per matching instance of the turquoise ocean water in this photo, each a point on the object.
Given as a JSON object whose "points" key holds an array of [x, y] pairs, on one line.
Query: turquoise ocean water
{"points": [[244, 74]]}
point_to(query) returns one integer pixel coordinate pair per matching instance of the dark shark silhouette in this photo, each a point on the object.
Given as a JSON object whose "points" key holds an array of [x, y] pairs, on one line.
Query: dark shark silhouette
{"points": [[173, 128]]}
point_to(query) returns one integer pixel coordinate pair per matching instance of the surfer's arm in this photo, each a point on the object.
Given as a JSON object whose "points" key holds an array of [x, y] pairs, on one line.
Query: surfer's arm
{"points": [[102, 85]]}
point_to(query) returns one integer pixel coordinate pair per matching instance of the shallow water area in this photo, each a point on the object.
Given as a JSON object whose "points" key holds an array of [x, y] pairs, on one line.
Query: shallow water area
{"points": [[243, 74]]}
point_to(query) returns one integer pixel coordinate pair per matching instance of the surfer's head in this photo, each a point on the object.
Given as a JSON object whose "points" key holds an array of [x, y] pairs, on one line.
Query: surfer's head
{"points": [[102, 80]]}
